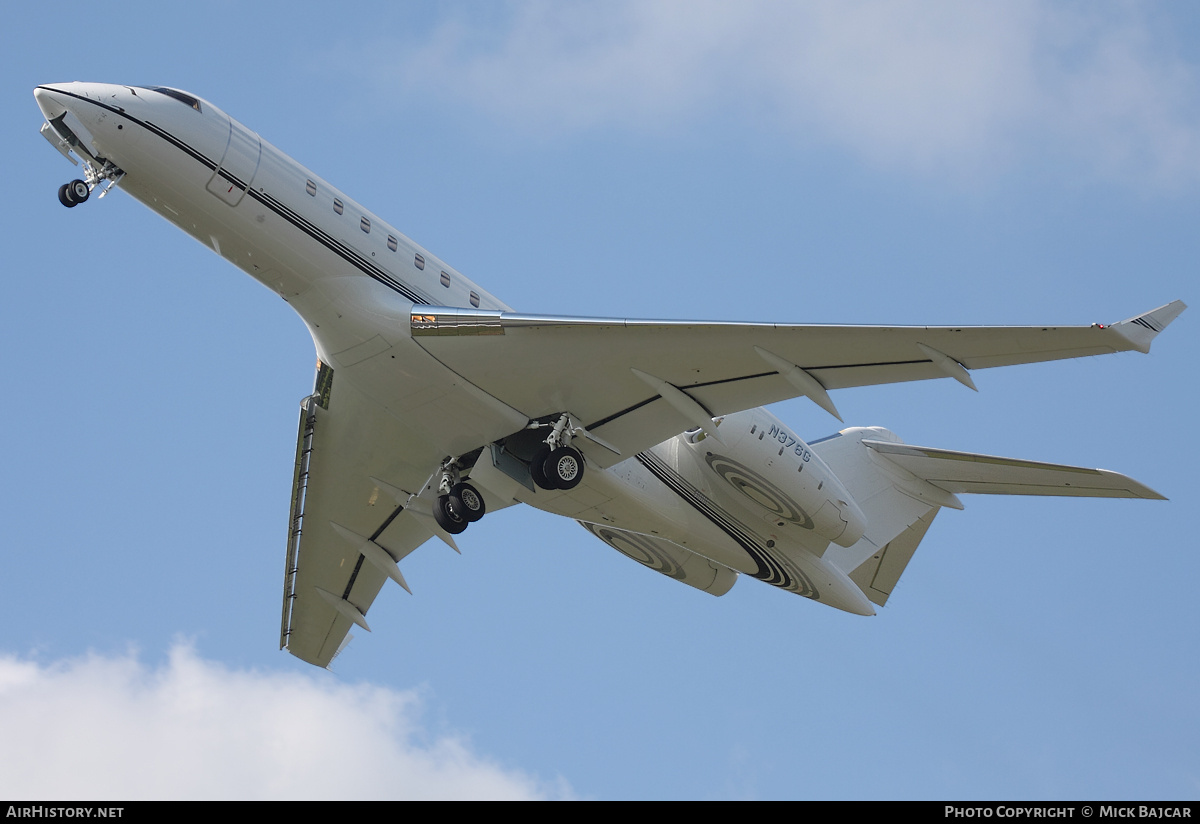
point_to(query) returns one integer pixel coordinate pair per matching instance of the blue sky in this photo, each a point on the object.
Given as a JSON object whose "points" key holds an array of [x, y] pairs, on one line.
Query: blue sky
{"points": [[953, 163]]}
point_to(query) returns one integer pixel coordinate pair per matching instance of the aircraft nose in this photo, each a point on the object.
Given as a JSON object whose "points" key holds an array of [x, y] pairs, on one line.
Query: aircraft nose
{"points": [[50, 99], [59, 97]]}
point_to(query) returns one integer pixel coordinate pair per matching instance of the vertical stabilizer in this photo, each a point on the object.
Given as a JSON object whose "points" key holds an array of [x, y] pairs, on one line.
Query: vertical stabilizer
{"points": [[899, 507], [878, 574]]}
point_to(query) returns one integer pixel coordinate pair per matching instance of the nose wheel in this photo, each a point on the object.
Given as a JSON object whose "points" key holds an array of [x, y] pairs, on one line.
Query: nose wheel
{"points": [[73, 193]]}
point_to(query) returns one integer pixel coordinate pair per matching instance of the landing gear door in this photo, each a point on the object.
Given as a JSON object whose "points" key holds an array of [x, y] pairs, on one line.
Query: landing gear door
{"points": [[235, 174]]}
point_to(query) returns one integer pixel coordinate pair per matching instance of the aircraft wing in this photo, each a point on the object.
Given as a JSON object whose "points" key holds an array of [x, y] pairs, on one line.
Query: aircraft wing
{"points": [[348, 525], [635, 383]]}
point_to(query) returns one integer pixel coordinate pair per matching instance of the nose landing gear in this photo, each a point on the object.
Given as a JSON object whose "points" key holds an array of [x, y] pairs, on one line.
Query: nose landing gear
{"points": [[77, 191]]}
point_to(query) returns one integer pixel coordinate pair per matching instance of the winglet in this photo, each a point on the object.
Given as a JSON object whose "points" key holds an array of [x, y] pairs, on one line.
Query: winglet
{"points": [[1141, 330]]}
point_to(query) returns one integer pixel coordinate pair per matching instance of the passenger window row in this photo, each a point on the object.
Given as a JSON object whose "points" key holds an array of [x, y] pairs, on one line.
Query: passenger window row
{"points": [[393, 244]]}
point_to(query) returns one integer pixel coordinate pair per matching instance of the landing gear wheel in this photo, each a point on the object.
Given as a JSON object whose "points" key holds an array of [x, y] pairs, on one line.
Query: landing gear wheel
{"points": [[447, 519], [78, 191], [64, 196], [465, 501], [564, 467], [537, 469]]}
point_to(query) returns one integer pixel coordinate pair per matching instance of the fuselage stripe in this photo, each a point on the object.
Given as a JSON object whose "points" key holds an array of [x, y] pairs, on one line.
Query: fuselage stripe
{"points": [[769, 570]]}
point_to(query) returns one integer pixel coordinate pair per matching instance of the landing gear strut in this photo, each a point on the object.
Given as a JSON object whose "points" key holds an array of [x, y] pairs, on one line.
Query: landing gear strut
{"points": [[557, 465], [459, 504]]}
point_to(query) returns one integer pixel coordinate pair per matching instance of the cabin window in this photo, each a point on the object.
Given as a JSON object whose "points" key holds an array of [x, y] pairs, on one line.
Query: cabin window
{"points": [[311, 188], [419, 261], [392, 242], [337, 206], [365, 225], [446, 280], [475, 300]]}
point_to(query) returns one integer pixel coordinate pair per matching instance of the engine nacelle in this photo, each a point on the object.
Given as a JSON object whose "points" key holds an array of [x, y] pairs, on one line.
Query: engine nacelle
{"points": [[779, 475]]}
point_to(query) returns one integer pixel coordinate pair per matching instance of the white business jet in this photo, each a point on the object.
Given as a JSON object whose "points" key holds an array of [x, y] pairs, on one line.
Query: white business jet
{"points": [[434, 402]]}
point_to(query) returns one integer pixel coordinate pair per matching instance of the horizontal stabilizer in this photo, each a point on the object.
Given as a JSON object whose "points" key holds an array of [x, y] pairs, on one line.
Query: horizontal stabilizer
{"points": [[968, 472]]}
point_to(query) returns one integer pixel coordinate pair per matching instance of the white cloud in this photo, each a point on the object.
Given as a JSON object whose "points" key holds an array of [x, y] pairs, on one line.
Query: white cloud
{"points": [[114, 728], [926, 87]]}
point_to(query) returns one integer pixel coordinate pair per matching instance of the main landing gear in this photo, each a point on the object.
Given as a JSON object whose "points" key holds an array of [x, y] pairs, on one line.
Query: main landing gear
{"points": [[458, 504], [557, 465]]}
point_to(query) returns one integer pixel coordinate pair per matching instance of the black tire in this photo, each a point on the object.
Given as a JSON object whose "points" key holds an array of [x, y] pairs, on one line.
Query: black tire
{"points": [[448, 520], [537, 469], [64, 196], [465, 501], [78, 191], [564, 467]]}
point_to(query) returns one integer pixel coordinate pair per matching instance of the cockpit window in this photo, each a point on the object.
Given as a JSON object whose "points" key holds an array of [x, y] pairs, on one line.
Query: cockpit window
{"points": [[182, 97]]}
